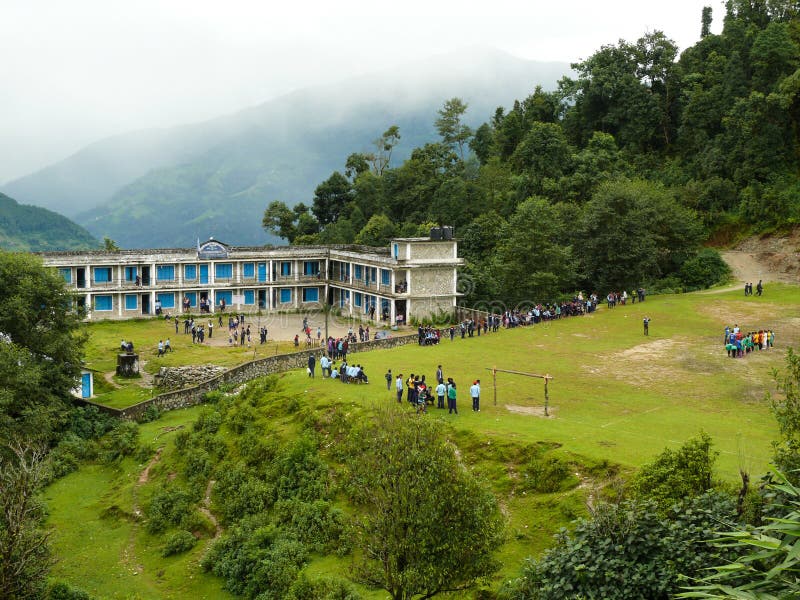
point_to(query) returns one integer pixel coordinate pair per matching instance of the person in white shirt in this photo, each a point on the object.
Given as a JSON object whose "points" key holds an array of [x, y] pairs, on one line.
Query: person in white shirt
{"points": [[441, 390], [398, 386], [475, 392]]}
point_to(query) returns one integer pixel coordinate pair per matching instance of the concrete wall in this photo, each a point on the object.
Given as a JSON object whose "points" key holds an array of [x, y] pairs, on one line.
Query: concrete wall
{"points": [[238, 375]]}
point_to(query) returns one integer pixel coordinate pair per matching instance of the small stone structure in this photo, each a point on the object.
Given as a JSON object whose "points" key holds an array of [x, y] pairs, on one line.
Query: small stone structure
{"points": [[127, 364], [175, 378]]}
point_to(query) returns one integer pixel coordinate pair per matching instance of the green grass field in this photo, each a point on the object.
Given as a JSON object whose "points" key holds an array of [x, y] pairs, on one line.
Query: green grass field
{"points": [[617, 399]]}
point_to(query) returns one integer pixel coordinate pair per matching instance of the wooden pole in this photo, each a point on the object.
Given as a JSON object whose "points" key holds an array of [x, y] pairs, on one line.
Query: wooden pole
{"points": [[546, 398], [494, 384]]}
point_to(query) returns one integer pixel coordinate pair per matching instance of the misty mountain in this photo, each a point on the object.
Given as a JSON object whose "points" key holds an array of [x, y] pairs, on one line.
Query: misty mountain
{"points": [[169, 187], [35, 229]]}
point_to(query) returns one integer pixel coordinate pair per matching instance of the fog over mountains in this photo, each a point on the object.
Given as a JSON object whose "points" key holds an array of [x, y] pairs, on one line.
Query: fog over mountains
{"points": [[167, 187]]}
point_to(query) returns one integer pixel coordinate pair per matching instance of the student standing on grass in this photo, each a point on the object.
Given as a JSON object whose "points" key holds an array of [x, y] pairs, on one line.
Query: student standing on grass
{"points": [[388, 380], [160, 347], [312, 363], [398, 386], [439, 375], [475, 392], [441, 390], [451, 397], [646, 322]]}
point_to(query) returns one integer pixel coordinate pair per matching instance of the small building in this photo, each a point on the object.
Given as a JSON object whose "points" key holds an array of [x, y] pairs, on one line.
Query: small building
{"points": [[412, 278]]}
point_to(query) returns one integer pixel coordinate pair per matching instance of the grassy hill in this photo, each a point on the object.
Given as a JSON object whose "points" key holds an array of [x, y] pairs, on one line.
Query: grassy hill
{"points": [[34, 229], [617, 399]]}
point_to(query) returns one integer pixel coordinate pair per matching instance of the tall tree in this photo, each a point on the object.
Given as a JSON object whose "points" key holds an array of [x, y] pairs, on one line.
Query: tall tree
{"points": [[279, 220], [705, 22], [384, 145], [41, 346], [454, 132], [330, 198], [425, 525]]}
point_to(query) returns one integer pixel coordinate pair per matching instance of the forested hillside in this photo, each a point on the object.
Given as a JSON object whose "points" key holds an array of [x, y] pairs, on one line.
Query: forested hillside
{"points": [[30, 228], [614, 180]]}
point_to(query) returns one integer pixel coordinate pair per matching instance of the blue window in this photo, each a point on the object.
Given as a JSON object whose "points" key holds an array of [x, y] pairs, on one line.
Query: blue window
{"points": [[203, 273], [396, 251], [249, 270], [165, 273], [226, 295], [249, 296], [358, 273], [131, 301], [286, 295], [310, 294], [386, 276], [190, 272], [372, 274], [357, 299], [66, 274], [344, 273], [223, 271], [192, 296], [102, 275], [286, 269], [167, 300], [262, 271], [310, 268], [103, 303], [131, 273]]}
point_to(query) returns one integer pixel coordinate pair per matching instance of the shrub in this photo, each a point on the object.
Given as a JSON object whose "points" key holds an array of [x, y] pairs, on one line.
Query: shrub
{"points": [[167, 507], [121, 441], [677, 474], [64, 591], [315, 523], [704, 269], [151, 413], [632, 550], [239, 494], [178, 542], [304, 588], [547, 474], [68, 454], [299, 472], [89, 423], [209, 421], [255, 560]]}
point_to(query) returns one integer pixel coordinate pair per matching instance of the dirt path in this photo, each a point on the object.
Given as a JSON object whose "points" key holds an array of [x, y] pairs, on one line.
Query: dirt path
{"points": [[752, 267], [128, 557], [206, 510]]}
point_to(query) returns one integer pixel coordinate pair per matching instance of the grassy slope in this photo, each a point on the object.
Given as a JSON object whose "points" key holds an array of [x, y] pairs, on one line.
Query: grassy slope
{"points": [[616, 397]]}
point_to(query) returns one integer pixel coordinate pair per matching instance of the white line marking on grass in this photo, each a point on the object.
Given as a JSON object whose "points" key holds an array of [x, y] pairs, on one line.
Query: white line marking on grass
{"points": [[631, 417]]}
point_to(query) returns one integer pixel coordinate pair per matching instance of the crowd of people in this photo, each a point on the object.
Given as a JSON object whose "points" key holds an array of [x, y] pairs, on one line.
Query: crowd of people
{"points": [[614, 298], [739, 344]]}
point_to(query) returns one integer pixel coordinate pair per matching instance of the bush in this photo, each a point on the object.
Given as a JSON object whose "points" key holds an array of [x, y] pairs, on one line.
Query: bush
{"points": [[315, 523], [628, 551], [299, 472], [255, 560], [68, 454], [167, 507], [209, 421], [122, 441], [304, 588], [677, 474], [239, 494], [89, 423], [177, 543], [704, 269], [547, 474], [151, 413], [64, 591]]}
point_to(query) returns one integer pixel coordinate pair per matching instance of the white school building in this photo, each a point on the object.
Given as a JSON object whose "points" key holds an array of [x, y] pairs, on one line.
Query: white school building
{"points": [[411, 278]]}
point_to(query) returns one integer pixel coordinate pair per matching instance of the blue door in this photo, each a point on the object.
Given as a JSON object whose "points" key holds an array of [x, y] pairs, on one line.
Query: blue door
{"points": [[262, 272], [86, 385], [203, 273]]}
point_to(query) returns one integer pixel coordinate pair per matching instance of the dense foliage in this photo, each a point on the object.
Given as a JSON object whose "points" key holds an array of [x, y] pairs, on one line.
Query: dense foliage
{"points": [[614, 180], [41, 346], [628, 550]]}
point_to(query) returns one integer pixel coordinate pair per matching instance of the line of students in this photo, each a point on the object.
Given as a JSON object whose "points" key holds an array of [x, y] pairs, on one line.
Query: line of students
{"points": [[419, 394]]}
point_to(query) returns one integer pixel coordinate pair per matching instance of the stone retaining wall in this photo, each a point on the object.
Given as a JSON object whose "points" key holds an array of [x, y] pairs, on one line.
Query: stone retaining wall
{"points": [[238, 375]]}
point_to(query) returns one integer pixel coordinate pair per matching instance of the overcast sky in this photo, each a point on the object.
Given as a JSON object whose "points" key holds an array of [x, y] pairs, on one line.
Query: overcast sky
{"points": [[72, 72]]}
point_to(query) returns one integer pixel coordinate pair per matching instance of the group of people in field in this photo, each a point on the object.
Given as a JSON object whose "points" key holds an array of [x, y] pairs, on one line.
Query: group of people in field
{"points": [[345, 373], [614, 298], [739, 344]]}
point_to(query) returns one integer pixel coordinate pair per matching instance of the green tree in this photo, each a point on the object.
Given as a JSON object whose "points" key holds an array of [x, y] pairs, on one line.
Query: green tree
{"points": [[377, 232], [330, 198], [356, 165], [634, 232], [705, 22], [384, 145], [425, 526], [110, 245], [280, 220], [25, 557], [41, 345], [454, 132], [532, 261]]}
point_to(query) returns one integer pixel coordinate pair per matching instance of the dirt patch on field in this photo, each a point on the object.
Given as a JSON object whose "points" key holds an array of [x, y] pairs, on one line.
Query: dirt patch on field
{"points": [[534, 411], [744, 313], [767, 258], [643, 364]]}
